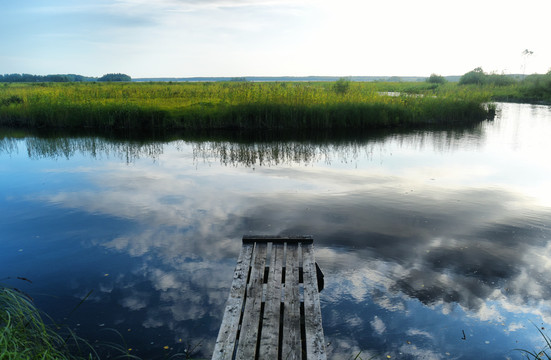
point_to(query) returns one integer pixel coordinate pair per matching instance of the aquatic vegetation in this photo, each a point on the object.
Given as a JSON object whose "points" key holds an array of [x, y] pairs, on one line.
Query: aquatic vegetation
{"points": [[25, 335], [544, 353], [237, 105]]}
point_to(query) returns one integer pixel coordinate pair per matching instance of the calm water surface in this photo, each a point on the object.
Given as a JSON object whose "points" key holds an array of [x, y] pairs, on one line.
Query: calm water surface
{"points": [[435, 244]]}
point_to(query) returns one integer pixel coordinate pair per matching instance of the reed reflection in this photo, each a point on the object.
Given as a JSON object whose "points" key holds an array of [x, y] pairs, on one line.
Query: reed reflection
{"points": [[236, 149]]}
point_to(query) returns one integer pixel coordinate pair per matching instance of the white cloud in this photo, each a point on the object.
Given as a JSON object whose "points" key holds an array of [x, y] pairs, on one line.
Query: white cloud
{"points": [[515, 326], [418, 332], [378, 325], [419, 353], [186, 38], [134, 302]]}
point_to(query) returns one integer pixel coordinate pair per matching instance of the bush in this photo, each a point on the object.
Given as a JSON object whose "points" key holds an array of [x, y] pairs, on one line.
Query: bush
{"points": [[476, 76], [14, 99], [538, 86], [479, 77], [436, 79], [500, 79], [342, 86]]}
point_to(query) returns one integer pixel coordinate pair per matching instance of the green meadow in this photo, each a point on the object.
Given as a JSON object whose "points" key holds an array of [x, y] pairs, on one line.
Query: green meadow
{"points": [[240, 105]]}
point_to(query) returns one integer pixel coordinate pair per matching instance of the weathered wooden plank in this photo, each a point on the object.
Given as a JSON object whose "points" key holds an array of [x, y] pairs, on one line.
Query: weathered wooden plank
{"points": [[257, 324], [227, 336], [291, 345], [251, 317], [315, 342], [277, 239], [269, 341]]}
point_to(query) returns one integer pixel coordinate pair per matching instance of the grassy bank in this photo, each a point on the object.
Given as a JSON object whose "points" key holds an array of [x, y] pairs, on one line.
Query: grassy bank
{"points": [[227, 105]]}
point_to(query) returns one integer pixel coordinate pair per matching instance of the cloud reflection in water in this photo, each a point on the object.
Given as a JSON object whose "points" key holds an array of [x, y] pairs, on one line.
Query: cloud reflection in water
{"points": [[483, 250]]}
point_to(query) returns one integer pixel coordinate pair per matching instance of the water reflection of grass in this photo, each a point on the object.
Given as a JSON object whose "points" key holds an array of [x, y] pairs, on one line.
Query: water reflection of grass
{"points": [[236, 105], [230, 148]]}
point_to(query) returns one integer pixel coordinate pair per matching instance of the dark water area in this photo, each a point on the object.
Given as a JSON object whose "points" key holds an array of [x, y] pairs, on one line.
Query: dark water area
{"points": [[434, 242]]}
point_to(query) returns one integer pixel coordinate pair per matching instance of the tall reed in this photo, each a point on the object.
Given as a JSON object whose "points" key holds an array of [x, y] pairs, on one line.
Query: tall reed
{"points": [[23, 334], [234, 105]]}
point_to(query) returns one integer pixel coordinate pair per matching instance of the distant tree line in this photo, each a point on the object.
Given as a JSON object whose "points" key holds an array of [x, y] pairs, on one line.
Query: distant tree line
{"points": [[61, 78]]}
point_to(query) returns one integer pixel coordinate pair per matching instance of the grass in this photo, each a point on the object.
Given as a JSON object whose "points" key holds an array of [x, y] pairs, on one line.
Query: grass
{"points": [[544, 353], [238, 105], [24, 335]]}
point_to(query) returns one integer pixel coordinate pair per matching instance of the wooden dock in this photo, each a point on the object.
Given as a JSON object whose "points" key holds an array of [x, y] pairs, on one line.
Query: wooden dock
{"points": [[273, 311]]}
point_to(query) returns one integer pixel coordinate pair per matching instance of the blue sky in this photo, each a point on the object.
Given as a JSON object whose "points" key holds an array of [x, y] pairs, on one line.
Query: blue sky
{"points": [[153, 38]]}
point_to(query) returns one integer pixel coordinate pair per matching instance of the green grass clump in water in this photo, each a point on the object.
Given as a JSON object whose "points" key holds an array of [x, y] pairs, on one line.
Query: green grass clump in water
{"points": [[23, 334]]}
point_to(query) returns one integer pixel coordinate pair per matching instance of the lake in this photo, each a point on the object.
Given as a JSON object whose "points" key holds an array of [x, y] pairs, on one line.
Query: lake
{"points": [[434, 243]]}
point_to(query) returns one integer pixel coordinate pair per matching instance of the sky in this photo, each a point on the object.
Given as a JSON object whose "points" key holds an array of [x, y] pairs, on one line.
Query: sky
{"points": [[184, 38]]}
